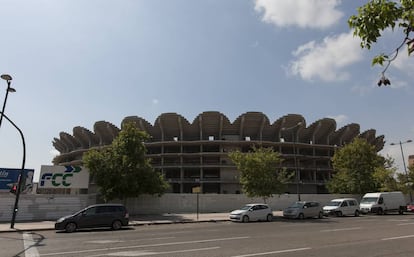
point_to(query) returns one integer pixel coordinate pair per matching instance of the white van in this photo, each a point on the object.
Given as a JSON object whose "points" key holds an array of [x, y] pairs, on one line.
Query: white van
{"points": [[341, 207], [383, 202]]}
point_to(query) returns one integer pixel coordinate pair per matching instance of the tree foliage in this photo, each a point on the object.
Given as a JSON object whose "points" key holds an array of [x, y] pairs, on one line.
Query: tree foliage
{"points": [[385, 177], [121, 170], [356, 166], [406, 181], [260, 172], [378, 15]]}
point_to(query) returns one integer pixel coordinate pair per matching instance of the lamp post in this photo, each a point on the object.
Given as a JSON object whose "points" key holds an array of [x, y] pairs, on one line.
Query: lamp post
{"points": [[8, 79], [405, 167], [294, 135], [19, 184]]}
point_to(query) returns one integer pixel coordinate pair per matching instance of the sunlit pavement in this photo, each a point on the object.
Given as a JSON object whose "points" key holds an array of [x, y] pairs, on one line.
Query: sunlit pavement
{"points": [[167, 218]]}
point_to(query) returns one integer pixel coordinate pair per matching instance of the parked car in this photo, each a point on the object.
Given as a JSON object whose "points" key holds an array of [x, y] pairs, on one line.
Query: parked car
{"points": [[303, 209], [410, 207], [99, 215], [341, 207], [383, 202], [252, 212]]}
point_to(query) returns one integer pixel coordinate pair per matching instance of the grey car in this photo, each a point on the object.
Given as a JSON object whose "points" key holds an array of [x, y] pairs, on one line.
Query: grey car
{"points": [[99, 215], [303, 209]]}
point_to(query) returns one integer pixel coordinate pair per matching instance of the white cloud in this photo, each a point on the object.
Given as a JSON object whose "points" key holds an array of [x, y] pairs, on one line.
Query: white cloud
{"points": [[326, 60], [301, 13], [155, 101], [404, 62], [397, 83], [340, 119]]}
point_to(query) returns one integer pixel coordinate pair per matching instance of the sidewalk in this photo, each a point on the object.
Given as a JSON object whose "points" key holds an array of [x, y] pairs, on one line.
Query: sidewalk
{"points": [[133, 221], [139, 220]]}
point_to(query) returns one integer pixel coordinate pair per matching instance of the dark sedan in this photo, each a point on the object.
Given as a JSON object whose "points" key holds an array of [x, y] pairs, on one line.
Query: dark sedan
{"points": [[100, 215]]}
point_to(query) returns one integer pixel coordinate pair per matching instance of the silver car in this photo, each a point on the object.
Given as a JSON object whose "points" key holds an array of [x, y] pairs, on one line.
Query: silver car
{"points": [[303, 209], [252, 212]]}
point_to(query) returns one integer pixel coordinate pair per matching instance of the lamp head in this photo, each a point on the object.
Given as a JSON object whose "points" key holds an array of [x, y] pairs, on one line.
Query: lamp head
{"points": [[6, 77], [409, 141]]}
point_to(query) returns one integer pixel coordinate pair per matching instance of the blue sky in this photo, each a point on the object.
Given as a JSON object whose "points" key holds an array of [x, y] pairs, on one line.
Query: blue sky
{"points": [[76, 62]]}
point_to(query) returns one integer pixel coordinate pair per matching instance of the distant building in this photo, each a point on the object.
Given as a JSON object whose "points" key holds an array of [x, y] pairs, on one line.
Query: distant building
{"points": [[411, 161], [192, 155]]}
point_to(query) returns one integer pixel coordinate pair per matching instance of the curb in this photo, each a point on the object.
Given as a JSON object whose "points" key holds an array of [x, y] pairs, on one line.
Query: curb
{"points": [[131, 224]]}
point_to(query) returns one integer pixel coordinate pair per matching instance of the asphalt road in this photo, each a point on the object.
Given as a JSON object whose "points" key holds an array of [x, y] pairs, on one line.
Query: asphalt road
{"points": [[368, 236]]}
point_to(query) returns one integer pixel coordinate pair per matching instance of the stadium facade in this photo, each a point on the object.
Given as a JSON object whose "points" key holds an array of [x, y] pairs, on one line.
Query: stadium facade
{"points": [[195, 154]]}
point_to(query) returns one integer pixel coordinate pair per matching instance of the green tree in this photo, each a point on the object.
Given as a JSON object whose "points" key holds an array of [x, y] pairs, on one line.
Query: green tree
{"points": [[355, 165], [376, 16], [406, 181], [260, 172], [121, 170], [385, 177]]}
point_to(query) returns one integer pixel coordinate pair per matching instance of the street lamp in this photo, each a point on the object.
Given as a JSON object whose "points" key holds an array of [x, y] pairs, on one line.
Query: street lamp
{"points": [[294, 135], [405, 167], [19, 184], [8, 79]]}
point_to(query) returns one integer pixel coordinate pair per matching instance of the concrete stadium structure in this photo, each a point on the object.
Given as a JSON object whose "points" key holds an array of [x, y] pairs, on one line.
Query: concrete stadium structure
{"points": [[196, 154]]}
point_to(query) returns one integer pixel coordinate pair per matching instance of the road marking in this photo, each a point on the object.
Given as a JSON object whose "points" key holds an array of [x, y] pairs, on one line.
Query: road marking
{"points": [[104, 241], [340, 229], [146, 253], [403, 224], [121, 241], [274, 252], [397, 237], [29, 245], [148, 245]]}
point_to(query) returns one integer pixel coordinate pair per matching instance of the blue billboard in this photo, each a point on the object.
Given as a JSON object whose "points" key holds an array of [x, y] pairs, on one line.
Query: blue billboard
{"points": [[10, 177]]}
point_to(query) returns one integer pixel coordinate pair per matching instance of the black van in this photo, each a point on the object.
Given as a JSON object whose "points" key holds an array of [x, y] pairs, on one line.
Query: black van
{"points": [[99, 215]]}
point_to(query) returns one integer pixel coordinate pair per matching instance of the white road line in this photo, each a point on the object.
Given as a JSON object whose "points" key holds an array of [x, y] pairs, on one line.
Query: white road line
{"points": [[148, 245], [397, 237], [104, 241], [30, 249], [274, 252], [123, 241], [340, 229], [403, 224], [146, 253]]}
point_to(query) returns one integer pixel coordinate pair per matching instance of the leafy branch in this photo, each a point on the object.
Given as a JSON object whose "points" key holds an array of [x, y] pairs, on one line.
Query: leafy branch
{"points": [[378, 15]]}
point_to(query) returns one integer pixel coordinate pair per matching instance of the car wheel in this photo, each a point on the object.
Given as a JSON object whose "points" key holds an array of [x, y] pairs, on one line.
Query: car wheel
{"points": [[245, 219], [338, 214], [70, 227], [301, 216], [380, 212], [356, 214], [269, 217], [116, 225], [320, 216]]}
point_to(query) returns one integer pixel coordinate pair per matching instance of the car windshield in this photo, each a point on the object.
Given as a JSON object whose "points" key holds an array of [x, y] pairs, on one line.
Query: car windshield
{"points": [[333, 203], [296, 205], [246, 207], [369, 200]]}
